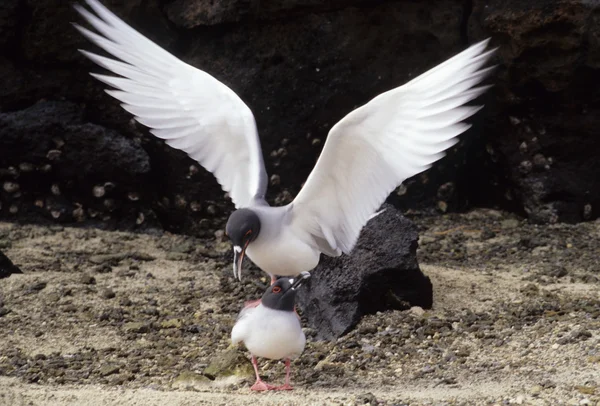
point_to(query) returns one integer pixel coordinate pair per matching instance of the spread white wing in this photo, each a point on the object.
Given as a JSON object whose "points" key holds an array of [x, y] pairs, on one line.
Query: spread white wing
{"points": [[185, 106], [376, 147]]}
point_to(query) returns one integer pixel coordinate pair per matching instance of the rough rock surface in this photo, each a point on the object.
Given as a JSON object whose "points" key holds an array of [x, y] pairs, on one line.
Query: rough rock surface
{"points": [[68, 164], [301, 65], [543, 124], [381, 273]]}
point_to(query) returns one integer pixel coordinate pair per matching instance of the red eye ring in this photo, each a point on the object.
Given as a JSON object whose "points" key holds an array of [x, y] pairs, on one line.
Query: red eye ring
{"points": [[276, 289]]}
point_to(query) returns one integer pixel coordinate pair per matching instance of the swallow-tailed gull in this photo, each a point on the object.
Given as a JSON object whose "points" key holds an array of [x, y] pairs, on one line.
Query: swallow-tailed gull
{"points": [[367, 154], [272, 329]]}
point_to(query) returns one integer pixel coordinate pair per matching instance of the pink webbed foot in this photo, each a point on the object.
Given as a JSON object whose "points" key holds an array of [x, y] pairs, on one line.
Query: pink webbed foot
{"points": [[261, 386], [287, 386]]}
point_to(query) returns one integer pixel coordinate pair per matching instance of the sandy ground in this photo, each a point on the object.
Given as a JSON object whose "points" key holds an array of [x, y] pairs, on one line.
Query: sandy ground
{"points": [[114, 318]]}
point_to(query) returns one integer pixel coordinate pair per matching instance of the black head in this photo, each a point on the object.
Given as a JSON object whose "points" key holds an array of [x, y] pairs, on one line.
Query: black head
{"points": [[242, 228], [282, 294]]}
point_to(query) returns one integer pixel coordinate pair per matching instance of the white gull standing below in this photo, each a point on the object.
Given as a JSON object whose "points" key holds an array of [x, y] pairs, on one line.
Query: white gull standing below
{"points": [[272, 329]]}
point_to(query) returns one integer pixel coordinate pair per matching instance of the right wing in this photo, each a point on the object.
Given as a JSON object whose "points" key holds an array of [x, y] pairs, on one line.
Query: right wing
{"points": [[185, 106], [372, 150]]}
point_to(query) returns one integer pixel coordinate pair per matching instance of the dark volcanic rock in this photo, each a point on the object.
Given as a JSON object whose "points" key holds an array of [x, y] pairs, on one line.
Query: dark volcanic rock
{"points": [[7, 268], [66, 169], [543, 127], [381, 273]]}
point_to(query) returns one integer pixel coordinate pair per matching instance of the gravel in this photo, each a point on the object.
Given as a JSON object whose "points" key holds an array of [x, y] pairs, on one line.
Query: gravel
{"points": [[516, 318]]}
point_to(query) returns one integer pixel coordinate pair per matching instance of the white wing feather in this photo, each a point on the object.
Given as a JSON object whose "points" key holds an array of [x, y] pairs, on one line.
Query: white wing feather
{"points": [[376, 147], [185, 106]]}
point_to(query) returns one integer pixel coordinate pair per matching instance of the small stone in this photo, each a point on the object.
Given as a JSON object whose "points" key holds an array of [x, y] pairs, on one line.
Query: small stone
{"points": [[55, 189], [11, 187], [442, 206], [211, 209], [13, 209], [509, 223], [87, 279], [401, 190], [417, 311], [171, 323], [316, 142], [220, 236], [36, 287], [26, 167], [180, 202], [446, 191], [46, 168], [523, 147], [98, 191], [136, 327], [107, 293], [109, 204], [189, 380], [140, 218], [195, 206], [275, 180], [133, 196], [58, 142], [55, 214], [78, 214], [107, 370], [53, 154], [539, 161], [125, 301], [536, 390], [513, 120], [176, 256], [112, 259], [230, 362], [525, 167]]}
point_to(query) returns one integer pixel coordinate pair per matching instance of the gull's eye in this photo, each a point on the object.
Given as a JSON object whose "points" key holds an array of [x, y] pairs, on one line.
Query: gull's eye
{"points": [[276, 289]]}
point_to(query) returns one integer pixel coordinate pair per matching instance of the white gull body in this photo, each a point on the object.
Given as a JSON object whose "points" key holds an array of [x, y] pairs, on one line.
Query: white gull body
{"points": [[269, 333], [367, 154]]}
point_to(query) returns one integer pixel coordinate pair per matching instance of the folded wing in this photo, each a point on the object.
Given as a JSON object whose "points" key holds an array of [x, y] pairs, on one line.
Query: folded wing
{"points": [[376, 147], [189, 109]]}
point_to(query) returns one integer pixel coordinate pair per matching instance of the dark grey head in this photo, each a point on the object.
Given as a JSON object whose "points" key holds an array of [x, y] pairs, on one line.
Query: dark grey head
{"points": [[242, 228], [282, 294]]}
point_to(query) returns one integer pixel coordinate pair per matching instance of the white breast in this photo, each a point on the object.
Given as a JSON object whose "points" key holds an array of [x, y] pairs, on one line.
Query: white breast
{"points": [[268, 333], [277, 250]]}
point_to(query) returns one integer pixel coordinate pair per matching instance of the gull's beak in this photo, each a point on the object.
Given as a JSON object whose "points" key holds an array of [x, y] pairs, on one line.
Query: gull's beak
{"points": [[299, 280], [238, 259]]}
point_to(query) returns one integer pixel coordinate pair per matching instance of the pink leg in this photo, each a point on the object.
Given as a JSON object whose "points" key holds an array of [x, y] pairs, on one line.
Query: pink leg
{"points": [[259, 385], [287, 385]]}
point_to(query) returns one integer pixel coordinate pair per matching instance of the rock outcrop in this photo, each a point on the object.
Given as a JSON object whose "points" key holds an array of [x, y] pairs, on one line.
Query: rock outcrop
{"points": [[7, 268], [381, 273]]}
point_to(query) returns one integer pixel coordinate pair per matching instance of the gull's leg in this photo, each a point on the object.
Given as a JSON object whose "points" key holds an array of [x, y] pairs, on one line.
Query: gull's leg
{"points": [[287, 385], [259, 385]]}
